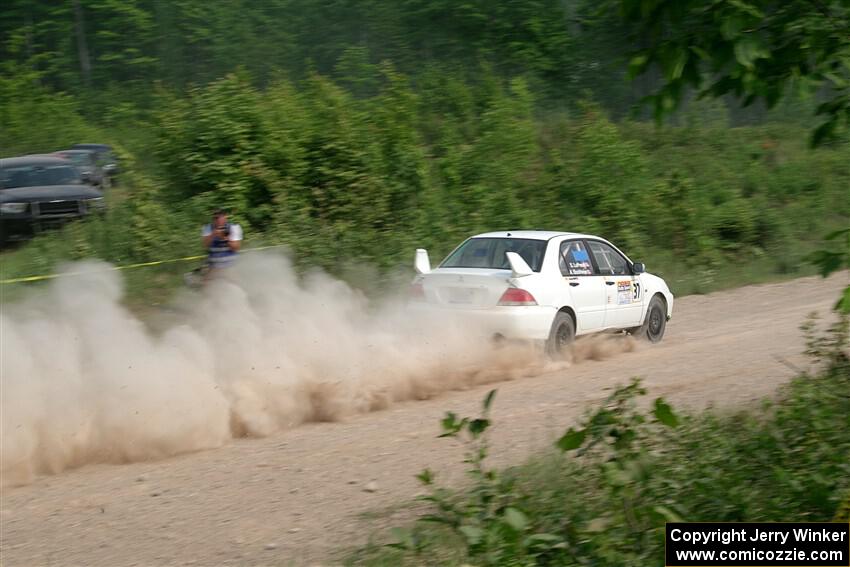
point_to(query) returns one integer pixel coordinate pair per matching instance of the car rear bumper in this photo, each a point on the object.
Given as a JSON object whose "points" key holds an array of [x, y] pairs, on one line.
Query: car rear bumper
{"points": [[510, 322]]}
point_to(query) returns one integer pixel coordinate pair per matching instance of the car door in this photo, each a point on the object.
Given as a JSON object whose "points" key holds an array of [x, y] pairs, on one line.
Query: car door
{"points": [[624, 293], [582, 285]]}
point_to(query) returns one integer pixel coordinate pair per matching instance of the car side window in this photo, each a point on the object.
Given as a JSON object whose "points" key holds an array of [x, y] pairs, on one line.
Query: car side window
{"points": [[574, 259], [609, 261]]}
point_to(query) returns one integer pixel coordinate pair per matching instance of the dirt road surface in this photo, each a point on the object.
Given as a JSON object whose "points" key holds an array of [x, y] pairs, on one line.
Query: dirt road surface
{"points": [[305, 496]]}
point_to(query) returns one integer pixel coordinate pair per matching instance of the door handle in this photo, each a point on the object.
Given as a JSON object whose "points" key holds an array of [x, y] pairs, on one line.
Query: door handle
{"points": [[609, 283], [574, 283]]}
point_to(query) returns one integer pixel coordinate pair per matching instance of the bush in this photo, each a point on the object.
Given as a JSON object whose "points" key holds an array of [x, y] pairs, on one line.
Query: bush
{"points": [[425, 162]]}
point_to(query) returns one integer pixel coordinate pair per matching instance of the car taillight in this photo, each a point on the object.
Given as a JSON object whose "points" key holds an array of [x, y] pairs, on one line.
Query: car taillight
{"points": [[516, 296], [417, 292]]}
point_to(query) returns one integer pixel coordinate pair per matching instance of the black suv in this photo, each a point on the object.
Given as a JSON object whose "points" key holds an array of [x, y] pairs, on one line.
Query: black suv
{"points": [[39, 192]]}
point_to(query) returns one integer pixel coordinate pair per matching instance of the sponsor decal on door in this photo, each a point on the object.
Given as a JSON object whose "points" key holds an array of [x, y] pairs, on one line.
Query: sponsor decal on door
{"points": [[628, 292]]}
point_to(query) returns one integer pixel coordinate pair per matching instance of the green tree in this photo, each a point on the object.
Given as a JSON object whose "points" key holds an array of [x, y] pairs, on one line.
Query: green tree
{"points": [[834, 258], [211, 146], [754, 49], [24, 102]]}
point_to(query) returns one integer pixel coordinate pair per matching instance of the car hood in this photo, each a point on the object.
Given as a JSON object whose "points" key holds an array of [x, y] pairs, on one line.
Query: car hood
{"points": [[48, 193]]}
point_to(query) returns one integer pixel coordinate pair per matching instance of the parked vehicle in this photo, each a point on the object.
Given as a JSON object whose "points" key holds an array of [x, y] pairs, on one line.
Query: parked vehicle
{"points": [[87, 162], [39, 192], [544, 286], [106, 158]]}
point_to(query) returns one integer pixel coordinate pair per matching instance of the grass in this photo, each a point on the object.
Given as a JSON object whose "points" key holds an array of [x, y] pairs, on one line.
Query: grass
{"points": [[144, 287], [684, 280]]}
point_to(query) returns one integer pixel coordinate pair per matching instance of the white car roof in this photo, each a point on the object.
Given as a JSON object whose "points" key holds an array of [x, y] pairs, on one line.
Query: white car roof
{"points": [[532, 234]]}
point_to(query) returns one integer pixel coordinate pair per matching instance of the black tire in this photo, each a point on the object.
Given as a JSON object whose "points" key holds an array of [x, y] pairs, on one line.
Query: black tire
{"points": [[655, 322], [561, 336]]}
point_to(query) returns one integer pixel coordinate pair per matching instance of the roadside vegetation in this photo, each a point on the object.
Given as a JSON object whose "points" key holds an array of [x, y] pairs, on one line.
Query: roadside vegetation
{"points": [[343, 180], [417, 132], [603, 494]]}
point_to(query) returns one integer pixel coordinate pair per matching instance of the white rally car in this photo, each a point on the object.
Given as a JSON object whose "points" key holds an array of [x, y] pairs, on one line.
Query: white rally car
{"points": [[545, 286]]}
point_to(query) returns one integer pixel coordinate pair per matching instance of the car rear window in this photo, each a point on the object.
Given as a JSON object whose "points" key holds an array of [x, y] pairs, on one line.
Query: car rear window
{"points": [[37, 175], [490, 253]]}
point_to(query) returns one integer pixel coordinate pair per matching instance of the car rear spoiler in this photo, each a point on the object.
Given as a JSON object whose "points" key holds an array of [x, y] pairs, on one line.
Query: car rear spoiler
{"points": [[422, 264], [519, 267]]}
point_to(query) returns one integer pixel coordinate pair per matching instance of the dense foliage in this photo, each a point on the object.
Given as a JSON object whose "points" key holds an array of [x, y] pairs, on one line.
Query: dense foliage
{"points": [[92, 46], [356, 131], [756, 49], [342, 178]]}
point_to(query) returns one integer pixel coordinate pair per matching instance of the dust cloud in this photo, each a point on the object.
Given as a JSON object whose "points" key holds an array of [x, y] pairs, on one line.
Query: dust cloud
{"points": [[83, 380], [601, 347]]}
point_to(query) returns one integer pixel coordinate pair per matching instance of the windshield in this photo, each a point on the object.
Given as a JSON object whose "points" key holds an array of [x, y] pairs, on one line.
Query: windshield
{"points": [[78, 159], [37, 175], [490, 253]]}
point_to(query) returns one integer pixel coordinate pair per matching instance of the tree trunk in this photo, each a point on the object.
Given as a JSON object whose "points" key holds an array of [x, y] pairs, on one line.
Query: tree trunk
{"points": [[82, 46]]}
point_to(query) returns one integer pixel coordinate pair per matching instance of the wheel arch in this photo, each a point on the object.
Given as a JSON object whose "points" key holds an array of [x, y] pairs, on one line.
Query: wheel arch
{"points": [[571, 312], [660, 295]]}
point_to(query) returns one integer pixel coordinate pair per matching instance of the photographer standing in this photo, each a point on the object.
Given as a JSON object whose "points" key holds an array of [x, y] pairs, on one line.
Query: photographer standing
{"points": [[222, 240]]}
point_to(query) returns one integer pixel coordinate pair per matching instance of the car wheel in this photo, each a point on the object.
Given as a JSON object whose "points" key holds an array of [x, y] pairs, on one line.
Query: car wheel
{"points": [[655, 323], [561, 336]]}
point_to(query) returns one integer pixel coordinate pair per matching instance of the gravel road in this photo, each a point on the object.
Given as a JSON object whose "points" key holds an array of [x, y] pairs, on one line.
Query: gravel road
{"points": [[303, 496]]}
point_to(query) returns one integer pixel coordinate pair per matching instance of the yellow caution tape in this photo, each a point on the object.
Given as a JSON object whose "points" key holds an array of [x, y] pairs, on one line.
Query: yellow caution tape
{"points": [[126, 267]]}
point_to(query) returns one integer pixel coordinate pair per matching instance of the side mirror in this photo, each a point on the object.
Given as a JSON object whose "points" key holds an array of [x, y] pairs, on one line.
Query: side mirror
{"points": [[422, 264], [638, 268], [86, 176]]}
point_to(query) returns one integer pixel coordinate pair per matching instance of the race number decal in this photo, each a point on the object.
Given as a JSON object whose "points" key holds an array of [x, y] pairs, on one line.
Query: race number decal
{"points": [[637, 292]]}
